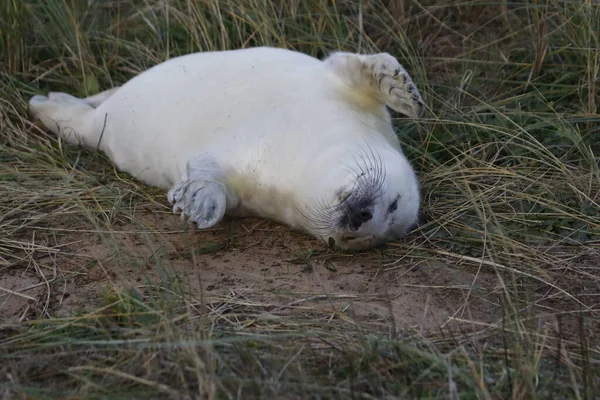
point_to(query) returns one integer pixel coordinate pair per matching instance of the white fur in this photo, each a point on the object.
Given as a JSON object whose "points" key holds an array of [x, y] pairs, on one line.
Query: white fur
{"points": [[263, 131]]}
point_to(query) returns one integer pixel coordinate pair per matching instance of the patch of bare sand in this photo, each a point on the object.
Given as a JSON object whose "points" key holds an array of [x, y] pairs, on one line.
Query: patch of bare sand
{"points": [[266, 262]]}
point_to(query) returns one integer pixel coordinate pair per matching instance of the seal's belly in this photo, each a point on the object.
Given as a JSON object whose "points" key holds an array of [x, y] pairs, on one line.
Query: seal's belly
{"points": [[227, 101]]}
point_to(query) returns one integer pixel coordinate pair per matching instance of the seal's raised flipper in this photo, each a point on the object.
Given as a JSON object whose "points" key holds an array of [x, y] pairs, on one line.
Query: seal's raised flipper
{"points": [[66, 116], [201, 196], [380, 76]]}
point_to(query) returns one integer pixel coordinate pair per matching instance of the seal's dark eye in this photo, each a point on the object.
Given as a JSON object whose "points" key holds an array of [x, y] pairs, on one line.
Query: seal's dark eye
{"points": [[394, 206]]}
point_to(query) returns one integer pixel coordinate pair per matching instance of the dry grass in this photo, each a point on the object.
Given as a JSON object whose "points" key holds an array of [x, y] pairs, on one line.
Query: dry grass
{"points": [[508, 156]]}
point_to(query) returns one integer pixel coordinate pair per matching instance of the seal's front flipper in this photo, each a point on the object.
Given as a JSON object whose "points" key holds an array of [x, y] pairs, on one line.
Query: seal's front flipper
{"points": [[380, 76], [203, 202], [201, 195]]}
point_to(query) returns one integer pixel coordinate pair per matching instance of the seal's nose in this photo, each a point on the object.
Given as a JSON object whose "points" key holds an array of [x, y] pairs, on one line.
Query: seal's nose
{"points": [[357, 217]]}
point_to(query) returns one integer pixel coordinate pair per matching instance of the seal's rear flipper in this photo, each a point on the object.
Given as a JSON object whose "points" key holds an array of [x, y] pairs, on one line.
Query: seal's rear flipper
{"points": [[97, 99], [66, 116], [379, 76]]}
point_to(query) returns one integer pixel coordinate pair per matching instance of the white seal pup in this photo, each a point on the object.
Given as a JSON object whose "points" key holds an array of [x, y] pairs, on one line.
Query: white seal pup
{"points": [[261, 132]]}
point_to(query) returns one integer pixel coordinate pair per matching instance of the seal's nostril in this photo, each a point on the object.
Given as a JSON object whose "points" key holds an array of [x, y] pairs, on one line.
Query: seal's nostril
{"points": [[365, 215], [331, 242]]}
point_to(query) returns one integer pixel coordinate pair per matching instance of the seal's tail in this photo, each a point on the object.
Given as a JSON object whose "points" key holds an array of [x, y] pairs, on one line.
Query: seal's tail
{"points": [[66, 116]]}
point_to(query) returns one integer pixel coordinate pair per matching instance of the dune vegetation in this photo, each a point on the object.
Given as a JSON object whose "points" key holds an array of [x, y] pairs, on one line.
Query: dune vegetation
{"points": [[105, 294]]}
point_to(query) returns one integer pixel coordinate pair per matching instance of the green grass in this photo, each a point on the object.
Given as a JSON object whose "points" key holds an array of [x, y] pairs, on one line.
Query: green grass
{"points": [[508, 155]]}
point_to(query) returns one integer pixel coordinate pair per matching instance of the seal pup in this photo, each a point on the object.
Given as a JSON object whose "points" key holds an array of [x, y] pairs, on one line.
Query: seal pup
{"points": [[261, 132]]}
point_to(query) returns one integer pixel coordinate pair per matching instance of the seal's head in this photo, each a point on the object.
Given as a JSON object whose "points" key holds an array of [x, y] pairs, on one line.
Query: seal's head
{"points": [[377, 201]]}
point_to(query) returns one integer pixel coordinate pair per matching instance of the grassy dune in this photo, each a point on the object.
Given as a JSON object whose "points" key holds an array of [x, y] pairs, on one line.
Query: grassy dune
{"points": [[508, 155]]}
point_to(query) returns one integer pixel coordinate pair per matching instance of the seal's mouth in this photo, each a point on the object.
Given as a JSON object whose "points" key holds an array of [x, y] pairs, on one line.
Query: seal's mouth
{"points": [[350, 237], [355, 242]]}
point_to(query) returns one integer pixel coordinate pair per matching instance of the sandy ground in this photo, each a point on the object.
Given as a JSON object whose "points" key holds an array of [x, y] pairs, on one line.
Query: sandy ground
{"points": [[71, 265]]}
